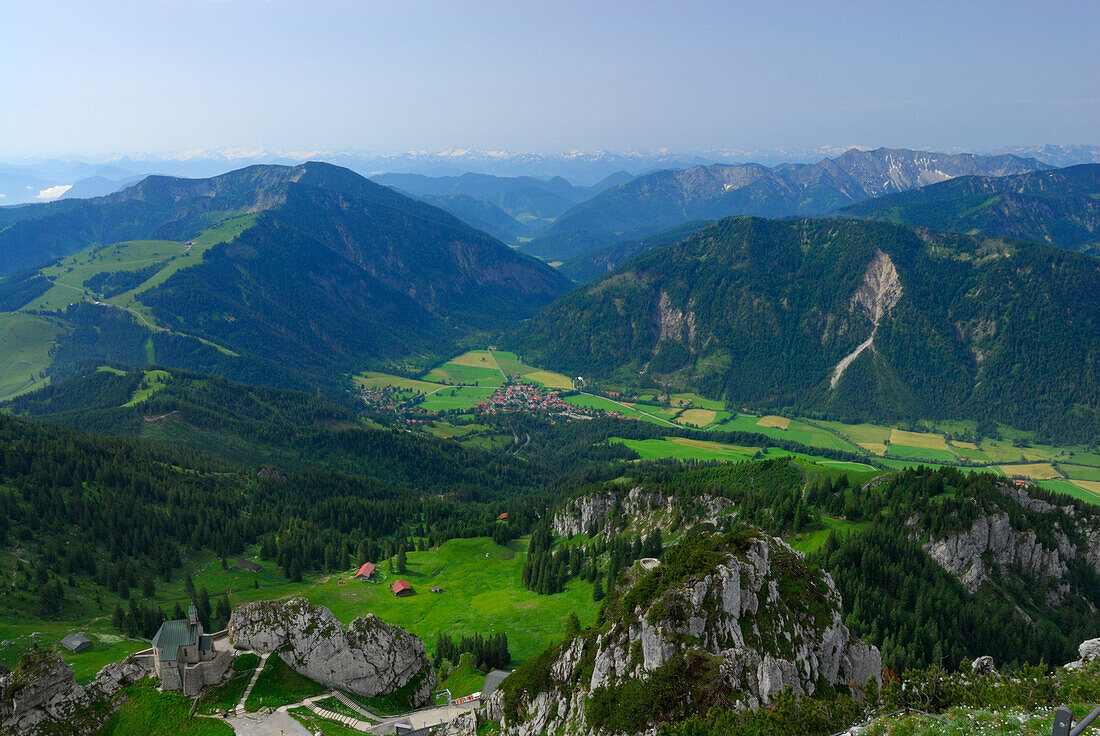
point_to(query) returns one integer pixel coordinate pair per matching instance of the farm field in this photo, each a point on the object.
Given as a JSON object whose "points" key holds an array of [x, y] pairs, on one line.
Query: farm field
{"points": [[913, 452], [598, 402], [1072, 490], [457, 372], [1034, 471], [459, 397], [695, 399], [797, 431], [373, 379], [922, 440], [514, 367], [696, 417], [774, 422], [482, 593], [1091, 486], [1079, 472], [680, 448]]}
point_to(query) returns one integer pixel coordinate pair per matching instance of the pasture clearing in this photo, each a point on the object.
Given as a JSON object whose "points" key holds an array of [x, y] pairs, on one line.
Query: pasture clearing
{"points": [[774, 422], [25, 343], [696, 417], [69, 274], [810, 542], [483, 594], [220, 233], [873, 448], [151, 382], [1032, 471]]}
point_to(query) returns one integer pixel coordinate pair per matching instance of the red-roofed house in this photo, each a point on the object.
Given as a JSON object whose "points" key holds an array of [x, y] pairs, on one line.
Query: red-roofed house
{"points": [[366, 572], [402, 587], [504, 516]]}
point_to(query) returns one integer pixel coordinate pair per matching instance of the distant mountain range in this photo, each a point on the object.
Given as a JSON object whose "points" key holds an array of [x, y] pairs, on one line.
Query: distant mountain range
{"points": [[277, 275], [667, 198], [531, 202], [854, 319], [1060, 207]]}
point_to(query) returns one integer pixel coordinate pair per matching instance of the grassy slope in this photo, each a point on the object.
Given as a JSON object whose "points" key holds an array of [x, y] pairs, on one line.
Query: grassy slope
{"points": [[25, 342], [482, 594], [148, 712]]}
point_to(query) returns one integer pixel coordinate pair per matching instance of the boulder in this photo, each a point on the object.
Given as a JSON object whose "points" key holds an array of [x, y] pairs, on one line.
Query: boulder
{"points": [[983, 666], [370, 657]]}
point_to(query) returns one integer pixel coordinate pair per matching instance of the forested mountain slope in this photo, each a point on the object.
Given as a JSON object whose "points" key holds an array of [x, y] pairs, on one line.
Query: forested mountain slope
{"points": [[856, 319], [1059, 208], [666, 198], [321, 272]]}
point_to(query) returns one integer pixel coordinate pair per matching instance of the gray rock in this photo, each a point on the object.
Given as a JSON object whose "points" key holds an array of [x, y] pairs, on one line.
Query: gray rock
{"points": [[983, 666], [370, 657], [765, 644], [40, 696], [642, 511]]}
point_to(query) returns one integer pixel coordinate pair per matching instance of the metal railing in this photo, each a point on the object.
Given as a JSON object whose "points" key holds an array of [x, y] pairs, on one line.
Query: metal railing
{"points": [[1063, 719]]}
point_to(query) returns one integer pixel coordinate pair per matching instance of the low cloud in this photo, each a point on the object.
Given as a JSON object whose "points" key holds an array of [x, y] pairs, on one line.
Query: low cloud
{"points": [[53, 192]]}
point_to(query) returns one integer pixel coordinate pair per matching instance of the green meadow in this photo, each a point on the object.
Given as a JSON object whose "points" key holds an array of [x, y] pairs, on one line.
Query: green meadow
{"points": [[483, 593], [25, 344]]}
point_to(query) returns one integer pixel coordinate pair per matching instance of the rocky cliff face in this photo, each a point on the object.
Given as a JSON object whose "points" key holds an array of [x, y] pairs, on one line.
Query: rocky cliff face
{"points": [[40, 696], [638, 510], [369, 657], [1001, 541], [757, 622]]}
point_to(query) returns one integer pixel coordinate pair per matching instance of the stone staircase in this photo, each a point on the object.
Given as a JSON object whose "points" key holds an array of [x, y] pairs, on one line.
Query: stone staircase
{"points": [[239, 709], [348, 721], [355, 706]]}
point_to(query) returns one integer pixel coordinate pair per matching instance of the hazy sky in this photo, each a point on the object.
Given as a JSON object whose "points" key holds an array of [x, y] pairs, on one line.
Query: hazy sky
{"points": [[93, 77]]}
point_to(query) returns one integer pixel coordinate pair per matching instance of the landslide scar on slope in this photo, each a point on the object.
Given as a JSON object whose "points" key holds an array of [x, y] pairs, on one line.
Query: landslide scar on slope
{"points": [[878, 294]]}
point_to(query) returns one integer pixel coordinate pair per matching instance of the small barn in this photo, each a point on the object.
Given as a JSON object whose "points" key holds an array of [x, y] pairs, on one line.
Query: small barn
{"points": [[366, 571], [437, 589], [249, 565], [503, 517], [402, 588], [76, 643]]}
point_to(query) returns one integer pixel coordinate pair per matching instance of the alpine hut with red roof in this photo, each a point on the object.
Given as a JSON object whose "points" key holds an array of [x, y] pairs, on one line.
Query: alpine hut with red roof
{"points": [[366, 572], [401, 587]]}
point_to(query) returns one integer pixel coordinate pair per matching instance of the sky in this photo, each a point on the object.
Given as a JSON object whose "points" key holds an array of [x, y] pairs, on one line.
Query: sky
{"points": [[94, 78]]}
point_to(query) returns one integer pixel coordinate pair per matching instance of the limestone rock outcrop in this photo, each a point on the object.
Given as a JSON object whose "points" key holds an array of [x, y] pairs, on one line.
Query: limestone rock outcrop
{"points": [[997, 543], [639, 510], [40, 695], [766, 620], [370, 657]]}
